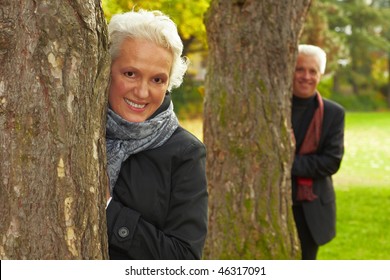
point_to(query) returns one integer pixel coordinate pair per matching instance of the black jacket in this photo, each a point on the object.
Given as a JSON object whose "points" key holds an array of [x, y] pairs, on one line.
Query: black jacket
{"points": [[320, 214], [159, 205]]}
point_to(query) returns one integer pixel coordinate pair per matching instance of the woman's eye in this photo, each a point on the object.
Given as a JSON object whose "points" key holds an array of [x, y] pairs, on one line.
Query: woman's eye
{"points": [[158, 80], [129, 74]]}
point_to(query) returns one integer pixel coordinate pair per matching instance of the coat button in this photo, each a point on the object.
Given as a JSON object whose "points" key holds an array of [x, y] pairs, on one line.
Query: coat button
{"points": [[123, 232]]}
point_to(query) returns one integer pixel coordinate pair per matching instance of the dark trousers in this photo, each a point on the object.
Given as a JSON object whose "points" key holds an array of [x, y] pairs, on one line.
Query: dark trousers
{"points": [[308, 246]]}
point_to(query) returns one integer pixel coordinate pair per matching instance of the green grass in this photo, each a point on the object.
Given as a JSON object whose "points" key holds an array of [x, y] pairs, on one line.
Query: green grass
{"points": [[366, 162], [363, 226], [362, 189]]}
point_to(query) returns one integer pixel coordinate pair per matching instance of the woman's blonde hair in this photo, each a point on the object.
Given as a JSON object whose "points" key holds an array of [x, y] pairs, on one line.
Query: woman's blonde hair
{"points": [[155, 27]]}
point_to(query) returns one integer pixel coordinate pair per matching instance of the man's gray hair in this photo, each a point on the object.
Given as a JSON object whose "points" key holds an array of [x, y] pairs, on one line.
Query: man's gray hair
{"points": [[315, 51]]}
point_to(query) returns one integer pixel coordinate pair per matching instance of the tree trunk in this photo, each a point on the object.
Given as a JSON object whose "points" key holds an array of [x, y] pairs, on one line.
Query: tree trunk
{"points": [[252, 53], [53, 77]]}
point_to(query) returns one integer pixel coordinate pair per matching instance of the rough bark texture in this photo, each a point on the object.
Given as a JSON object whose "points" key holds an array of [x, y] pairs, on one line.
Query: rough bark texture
{"points": [[252, 52], [53, 77]]}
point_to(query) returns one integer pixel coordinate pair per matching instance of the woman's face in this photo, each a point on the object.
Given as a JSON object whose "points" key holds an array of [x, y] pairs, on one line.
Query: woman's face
{"points": [[139, 79], [306, 76]]}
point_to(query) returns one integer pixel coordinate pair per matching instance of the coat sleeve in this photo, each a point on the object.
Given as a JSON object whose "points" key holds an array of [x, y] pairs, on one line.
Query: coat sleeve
{"points": [[184, 232], [327, 160]]}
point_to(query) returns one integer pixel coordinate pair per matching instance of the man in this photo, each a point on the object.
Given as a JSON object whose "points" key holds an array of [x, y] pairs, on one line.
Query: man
{"points": [[318, 126]]}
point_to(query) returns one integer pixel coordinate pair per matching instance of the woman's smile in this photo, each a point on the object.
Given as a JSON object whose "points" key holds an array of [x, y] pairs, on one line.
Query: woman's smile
{"points": [[135, 105]]}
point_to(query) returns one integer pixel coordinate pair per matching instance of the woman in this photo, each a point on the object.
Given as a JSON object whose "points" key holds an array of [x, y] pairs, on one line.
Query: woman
{"points": [[157, 203]]}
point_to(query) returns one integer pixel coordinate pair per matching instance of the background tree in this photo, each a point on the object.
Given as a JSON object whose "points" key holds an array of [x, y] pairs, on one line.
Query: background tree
{"points": [[187, 14], [54, 68], [252, 52], [355, 35], [364, 40]]}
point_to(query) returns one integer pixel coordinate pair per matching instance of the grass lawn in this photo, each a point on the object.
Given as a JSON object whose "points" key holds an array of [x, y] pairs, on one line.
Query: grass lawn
{"points": [[362, 189], [367, 151], [363, 225]]}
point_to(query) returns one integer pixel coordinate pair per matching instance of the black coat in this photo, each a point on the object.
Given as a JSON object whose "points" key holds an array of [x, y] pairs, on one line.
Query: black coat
{"points": [[159, 205], [320, 214]]}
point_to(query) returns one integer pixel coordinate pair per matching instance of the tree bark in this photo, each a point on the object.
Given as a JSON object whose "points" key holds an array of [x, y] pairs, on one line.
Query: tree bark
{"points": [[252, 53], [53, 78]]}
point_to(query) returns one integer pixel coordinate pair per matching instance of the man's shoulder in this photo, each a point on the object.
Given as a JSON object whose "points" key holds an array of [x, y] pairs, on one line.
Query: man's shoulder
{"points": [[332, 105]]}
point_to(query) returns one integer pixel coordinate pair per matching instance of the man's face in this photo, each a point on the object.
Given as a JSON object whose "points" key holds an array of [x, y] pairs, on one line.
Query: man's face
{"points": [[306, 76]]}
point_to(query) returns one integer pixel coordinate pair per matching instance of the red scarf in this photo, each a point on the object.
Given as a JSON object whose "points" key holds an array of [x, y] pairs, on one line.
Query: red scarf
{"points": [[309, 146]]}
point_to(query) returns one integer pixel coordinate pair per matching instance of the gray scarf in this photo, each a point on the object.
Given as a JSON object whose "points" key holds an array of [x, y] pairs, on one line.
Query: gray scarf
{"points": [[125, 138]]}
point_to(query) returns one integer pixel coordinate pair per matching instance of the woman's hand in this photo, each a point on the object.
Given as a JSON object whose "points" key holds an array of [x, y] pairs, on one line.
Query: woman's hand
{"points": [[108, 195]]}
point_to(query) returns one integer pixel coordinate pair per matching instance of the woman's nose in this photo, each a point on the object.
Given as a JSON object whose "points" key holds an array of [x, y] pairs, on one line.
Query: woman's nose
{"points": [[141, 90]]}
